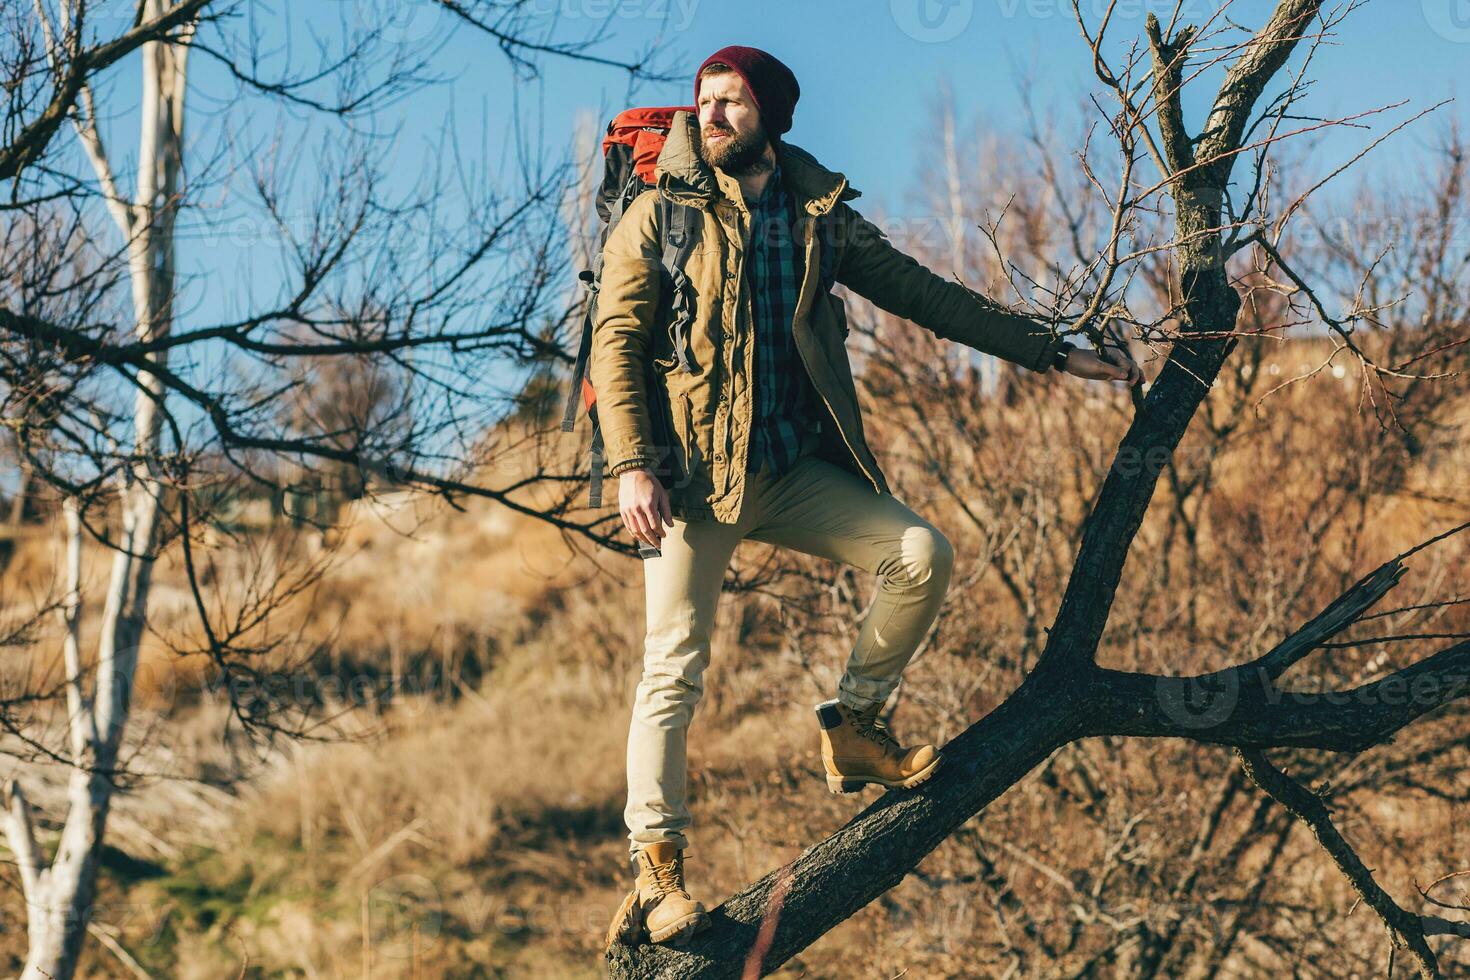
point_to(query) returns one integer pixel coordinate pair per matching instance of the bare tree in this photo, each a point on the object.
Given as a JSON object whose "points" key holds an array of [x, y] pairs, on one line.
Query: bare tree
{"points": [[111, 409], [58, 894], [1067, 695]]}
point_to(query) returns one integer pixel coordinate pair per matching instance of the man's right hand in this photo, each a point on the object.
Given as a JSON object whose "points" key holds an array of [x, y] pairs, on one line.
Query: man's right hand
{"points": [[644, 504]]}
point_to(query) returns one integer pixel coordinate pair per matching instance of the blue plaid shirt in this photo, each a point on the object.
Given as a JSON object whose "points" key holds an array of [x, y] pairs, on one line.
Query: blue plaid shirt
{"points": [[784, 399]]}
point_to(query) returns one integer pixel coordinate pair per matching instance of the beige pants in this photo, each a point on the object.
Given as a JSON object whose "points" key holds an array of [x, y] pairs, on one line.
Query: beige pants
{"points": [[815, 507]]}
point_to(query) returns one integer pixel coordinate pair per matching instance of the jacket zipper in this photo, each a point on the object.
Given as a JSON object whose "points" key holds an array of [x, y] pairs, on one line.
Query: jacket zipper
{"points": [[806, 276]]}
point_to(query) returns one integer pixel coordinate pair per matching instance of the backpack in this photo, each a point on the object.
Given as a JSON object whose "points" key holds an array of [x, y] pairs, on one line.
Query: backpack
{"points": [[630, 152]]}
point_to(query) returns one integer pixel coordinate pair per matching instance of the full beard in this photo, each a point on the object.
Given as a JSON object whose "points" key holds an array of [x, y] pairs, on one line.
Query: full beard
{"points": [[736, 155]]}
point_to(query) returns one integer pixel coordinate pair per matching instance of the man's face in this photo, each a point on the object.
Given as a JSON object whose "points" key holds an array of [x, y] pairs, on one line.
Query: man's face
{"points": [[731, 134]]}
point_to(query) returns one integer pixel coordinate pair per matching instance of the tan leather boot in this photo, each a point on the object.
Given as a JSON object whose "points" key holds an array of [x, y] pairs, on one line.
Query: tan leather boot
{"points": [[659, 907], [857, 749]]}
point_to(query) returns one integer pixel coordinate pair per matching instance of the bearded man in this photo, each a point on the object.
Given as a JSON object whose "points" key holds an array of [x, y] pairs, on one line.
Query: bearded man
{"points": [[765, 430]]}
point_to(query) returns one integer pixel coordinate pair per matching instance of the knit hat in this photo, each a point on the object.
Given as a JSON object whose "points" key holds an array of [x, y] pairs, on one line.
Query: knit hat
{"points": [[771, 83]]}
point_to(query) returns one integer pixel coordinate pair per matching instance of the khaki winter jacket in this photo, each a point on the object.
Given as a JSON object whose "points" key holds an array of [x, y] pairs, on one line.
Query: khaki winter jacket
{"points": [[693, 428]]}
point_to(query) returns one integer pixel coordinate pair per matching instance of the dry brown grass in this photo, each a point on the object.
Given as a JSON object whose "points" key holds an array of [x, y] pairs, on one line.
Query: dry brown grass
{"points": [[492, 817]]}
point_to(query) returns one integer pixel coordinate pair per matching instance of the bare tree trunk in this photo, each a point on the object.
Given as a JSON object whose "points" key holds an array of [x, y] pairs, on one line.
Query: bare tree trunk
{"points": [[59, 897]]}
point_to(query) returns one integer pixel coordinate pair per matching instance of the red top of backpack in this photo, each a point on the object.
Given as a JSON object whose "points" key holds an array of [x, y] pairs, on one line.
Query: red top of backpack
{"points": [[644, 130]]}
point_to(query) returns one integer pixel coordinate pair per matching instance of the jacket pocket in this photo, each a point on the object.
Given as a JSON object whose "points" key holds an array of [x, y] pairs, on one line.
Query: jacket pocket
{"points": [[687, 440], [663, 422]]}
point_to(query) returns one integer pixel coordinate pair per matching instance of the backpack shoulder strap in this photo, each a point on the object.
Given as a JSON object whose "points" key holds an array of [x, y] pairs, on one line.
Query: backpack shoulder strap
{"points": [[679, 226]]}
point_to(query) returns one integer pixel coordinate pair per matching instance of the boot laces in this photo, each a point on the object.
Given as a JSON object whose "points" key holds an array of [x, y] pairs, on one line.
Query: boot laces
{"points": [[869, 726], [666, 877]]}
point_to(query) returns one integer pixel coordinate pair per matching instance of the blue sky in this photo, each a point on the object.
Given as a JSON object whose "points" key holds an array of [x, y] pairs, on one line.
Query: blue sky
{"points": [[869, 70]]}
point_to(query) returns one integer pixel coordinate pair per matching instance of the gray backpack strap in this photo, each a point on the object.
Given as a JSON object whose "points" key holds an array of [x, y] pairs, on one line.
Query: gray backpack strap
{"points": [[591, 280], [630, 190], [680, 224]]}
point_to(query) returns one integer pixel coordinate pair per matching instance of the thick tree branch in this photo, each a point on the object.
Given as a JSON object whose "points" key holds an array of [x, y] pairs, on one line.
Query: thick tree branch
{"points": [[1241, 707]]}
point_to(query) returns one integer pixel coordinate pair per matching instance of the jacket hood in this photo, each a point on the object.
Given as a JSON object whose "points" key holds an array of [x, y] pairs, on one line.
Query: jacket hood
{"points": [[686, 179]]}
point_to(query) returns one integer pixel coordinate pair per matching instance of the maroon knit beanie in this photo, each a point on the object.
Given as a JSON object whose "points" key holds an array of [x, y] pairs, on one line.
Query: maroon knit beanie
{"points": [[771, 83]]}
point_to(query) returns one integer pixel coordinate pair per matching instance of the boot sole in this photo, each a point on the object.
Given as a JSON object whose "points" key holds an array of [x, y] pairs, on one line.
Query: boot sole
{"points": [[678, 934], [848, 784]]}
